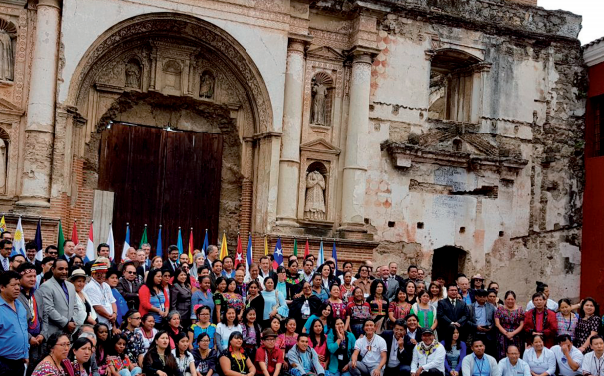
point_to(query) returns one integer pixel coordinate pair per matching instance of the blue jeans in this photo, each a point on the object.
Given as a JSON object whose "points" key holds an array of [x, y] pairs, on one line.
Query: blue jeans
{"points": [[338, 373], [126, 372]]}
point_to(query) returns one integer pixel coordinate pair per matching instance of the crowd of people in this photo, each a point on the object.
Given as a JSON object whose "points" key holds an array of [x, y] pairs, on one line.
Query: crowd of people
{"points": [[66, 316]]}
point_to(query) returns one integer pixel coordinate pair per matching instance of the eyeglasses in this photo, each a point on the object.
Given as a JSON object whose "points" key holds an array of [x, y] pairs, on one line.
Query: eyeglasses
{"points": [[66, 344], [130, 272], [269, 339], [135, 318], [50, 253], [8, 248]]}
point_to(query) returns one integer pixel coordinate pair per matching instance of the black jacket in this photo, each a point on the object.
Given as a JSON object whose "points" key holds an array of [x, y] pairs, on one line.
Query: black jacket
{"points": [[446, 314], [130, 294], [404, 355]]}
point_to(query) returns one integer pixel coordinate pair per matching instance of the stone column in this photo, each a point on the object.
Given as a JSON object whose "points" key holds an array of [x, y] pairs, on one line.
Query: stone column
{"points": [[39, 131], [355, 165], [289, 163]]}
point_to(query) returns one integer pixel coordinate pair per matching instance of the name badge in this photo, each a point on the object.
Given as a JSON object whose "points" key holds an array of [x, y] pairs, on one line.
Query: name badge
{"points": [[341, 357]]}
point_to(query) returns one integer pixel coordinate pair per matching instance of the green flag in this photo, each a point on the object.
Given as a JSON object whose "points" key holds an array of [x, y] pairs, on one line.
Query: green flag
{"points": [[61, 239], [295, 247], [144, 238]]}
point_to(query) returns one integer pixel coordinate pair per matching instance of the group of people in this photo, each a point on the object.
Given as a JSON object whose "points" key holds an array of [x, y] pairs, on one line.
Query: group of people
{"points": [[68, 316]]}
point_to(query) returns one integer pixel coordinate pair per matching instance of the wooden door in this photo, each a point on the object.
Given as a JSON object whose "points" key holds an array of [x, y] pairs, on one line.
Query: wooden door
{"points": [[447, 262], [161, 177]]}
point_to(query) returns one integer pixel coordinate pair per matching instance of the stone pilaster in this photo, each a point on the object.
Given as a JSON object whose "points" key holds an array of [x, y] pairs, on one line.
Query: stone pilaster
{"points": [[39, 131], [289, 162], [355, 165]]}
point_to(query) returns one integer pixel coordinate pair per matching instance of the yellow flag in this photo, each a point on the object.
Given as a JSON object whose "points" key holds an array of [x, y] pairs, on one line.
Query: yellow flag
{"points": [[2, 225], [223, 247], [265, 246]]}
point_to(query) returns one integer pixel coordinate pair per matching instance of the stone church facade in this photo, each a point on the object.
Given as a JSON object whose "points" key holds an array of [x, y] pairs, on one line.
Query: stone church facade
{"points": [[442, 133]]}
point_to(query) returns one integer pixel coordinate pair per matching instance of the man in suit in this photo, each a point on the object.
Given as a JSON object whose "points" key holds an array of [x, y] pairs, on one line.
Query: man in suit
{"points": [[172, 262], [59, 301], [266, 270], [129, 284], [452, 312], [482, 321], [391, 284], [414, 332], [6, 247], [399, 359], [68, 250], [212, 253], [393, 268]]}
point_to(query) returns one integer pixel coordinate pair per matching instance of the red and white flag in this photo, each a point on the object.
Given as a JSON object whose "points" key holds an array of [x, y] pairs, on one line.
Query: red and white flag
{"points": [[90, 245], [306, 249], [74, 234], [239, 253]]}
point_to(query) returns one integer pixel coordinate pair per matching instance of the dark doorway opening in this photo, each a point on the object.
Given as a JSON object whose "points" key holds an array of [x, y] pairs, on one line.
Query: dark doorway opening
{"points": [[163, 178], [447, 262]]}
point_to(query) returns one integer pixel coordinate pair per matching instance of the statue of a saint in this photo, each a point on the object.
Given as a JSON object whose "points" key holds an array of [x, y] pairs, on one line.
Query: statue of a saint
{"points": [[133, 75], [314, 206], [7, 57], [206, 89], [318, 114]]}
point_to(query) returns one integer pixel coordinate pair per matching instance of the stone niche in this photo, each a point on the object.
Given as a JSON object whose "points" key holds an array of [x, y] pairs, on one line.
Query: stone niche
{"points": [[173, 73], [316, 193]]}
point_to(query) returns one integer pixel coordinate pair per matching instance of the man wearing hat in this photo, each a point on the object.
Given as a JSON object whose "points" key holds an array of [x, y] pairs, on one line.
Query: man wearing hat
{"points": [[428, 356], [268, 357], [100, 295], [482, 321]]}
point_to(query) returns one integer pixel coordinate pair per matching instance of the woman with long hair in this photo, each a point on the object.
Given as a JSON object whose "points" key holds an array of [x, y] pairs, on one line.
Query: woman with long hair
{"points": [[147, 331], [338, 307], [233, 298], [159, 360], [456, 351], [203, 325], [327, 277], [398, 308], [254, 299], [153, 298], [224, 329], [509, 320], [357, 312], [303, 306], [101, 331], [340, 344], [566, 318], [274, 302], [293, 274], [323, 314], [436, 293], [79, 356], [180, 296], [318, 341], [112, 278], [425, 312], [57, 349], [281, 284], [135, 346], [588, 325], [275, 325], [118, 363], [495, 286], [233, 360], [206, 357], [251, 332], [287, 340], [411, 291], [318, 289], [378, 303], [184, 358], [220, 304], [173, 327], [76, 262]]}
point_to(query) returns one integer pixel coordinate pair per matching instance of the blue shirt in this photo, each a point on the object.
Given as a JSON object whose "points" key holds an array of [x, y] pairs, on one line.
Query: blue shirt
{"points": [[199, 298], [481, 315], [13, 331], [481, 367]]}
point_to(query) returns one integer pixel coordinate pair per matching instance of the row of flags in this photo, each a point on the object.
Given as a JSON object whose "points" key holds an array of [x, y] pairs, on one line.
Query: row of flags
{"points": [[19, 244]]}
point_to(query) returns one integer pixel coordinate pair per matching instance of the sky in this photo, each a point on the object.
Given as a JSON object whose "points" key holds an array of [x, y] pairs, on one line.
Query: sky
{"points": [[591, 10]]}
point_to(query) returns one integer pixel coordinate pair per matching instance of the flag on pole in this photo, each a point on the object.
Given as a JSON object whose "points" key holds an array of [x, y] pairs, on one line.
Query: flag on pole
{"points": [[158, 250], [74, 233], [239, 253], [111, 244], [38, 241], [265, 245], [61, 239], [144, 239], [19, 241], [295, 247], [334, 254], [2, 225], [321, 258], [181, 248], [278, 254], [126, 242], [248, 255], [224, 251], [205, 245], [191, 246], [90, 245], [306, 249]]}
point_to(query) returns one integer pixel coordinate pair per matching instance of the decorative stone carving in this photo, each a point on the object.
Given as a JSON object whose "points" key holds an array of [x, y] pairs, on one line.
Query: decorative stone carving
{"points": [[207, 85], [133, 74], [172, 71], [314, 207]]}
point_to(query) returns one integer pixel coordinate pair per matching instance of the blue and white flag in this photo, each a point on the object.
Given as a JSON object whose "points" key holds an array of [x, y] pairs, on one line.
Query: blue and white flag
{"points": [[19, 241], [248, 256], [204, 247], [38, 241], [126, 242], [278, 255], [334, 254], [321, 258]]}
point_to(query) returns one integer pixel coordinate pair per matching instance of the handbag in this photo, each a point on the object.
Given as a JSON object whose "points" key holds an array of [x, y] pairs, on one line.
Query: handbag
{"points": [[282, 311]]}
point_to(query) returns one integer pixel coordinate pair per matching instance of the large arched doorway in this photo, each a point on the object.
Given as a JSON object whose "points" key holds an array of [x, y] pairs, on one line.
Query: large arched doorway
{"points": [[447, 262], [170, 106]]}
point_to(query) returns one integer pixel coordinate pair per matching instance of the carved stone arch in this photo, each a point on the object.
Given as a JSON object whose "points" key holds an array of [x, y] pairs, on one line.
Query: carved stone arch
{"points": [[130, 33]]}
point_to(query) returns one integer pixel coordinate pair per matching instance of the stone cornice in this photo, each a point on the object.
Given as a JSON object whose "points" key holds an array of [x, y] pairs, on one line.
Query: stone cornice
{"points": [[593, 54]]}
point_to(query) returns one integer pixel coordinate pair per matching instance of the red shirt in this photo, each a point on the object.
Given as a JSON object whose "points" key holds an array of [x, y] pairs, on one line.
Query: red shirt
{"points": [[271, 358]]}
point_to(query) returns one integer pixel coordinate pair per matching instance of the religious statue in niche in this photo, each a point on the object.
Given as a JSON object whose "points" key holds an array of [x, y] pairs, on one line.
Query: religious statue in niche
{"points": [[3, 163], [206, 86], [319, 108], [314, 205], [7, 57], [133, 74]]}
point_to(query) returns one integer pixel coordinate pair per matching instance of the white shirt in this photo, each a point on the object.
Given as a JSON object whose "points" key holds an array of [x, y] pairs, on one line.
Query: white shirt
{"points": [[412, 334], [550, 305], [545, 363], [393, 356], [592, 365], [100, 295], [342, 279], [183, 363], [371, 351], [520, 369], [565, 369], [434, 360], [225, 333]]}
